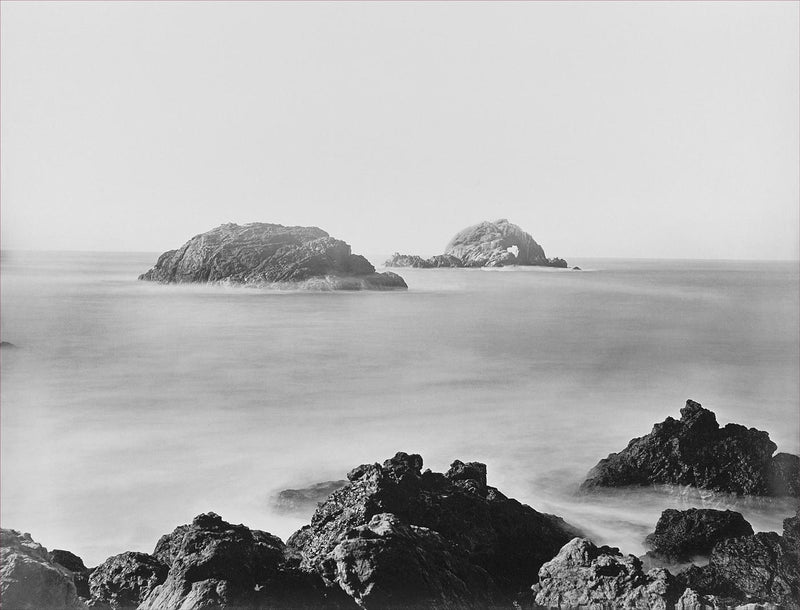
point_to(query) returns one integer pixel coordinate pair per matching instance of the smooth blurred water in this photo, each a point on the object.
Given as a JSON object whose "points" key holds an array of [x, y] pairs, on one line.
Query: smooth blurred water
{"points": [[129, 407]]}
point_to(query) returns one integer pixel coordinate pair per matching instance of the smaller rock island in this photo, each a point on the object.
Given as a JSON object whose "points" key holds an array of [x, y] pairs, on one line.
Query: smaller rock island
{"points": [[270, 255], [487, 244]]}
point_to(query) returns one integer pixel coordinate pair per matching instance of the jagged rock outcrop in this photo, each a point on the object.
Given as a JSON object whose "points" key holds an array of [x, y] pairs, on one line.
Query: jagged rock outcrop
{"points": [[29, 579], [73, 563], [213, 563], [389, 564], [498, 534], [683, 534], [262, 254], [305, 500], [486, 244], [583, 575], [762, 568], [696, 451], [123, 581]]}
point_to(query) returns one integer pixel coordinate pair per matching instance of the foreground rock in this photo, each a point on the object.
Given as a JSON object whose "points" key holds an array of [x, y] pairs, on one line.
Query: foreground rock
{"points": [[681, 535], [509, 540], [305, 500], [29, 579], [125, 580], [387, 563], [696, 451], [212, 563], [262, 254], [763, 568], [584, 575], [487, 244]]}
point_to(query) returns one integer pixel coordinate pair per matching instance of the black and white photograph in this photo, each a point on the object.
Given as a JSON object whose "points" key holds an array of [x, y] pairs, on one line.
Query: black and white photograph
{"points": [[399, 305]]}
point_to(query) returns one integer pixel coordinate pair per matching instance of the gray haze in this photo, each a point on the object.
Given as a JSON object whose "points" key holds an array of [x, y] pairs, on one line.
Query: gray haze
{"points": [[605, 129]]}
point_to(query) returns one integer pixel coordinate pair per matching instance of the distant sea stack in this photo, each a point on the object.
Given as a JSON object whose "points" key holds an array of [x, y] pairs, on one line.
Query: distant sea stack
{"points": [[270, 255], [487, 244]]}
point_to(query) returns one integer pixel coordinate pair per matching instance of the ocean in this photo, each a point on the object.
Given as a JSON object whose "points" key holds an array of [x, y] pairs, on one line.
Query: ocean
{"points": [[130, 407]]}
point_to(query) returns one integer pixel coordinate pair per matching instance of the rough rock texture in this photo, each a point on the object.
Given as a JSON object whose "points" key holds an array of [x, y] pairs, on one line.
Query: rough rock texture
{"points": [[696, 451], [215, 564], [73, 563], [124, 580], [584, 575], [29, 579], [762, 568], [387, 563], [498, 243], [262, 254], [487, 244], [784, 477], [682, 534], [507, 539], [305, 500]]}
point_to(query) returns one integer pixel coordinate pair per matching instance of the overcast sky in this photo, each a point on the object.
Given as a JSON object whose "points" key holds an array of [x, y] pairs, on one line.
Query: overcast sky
{"points": [[650, 129]]}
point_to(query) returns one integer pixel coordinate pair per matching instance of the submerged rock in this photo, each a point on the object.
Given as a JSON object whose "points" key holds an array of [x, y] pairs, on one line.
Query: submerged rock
{"points": [[583, 575], [262, 254], [30, 579], [696, 451], [683, 534], [486, 244], [305, 500], [509, 540]]}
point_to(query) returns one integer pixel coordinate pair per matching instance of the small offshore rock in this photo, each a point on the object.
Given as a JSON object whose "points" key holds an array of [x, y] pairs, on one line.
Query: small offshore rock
{"points": [[682, 534], [6, 344], [305, 499], [696, 451], [29, 579]]}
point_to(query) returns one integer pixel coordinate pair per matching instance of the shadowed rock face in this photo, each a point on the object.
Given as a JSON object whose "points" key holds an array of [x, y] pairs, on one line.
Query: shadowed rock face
{"points": [[761, 568], [507, 539], [29, 579], [124, 580], [682, 534], [262, 254], [487, 244], [696, 451]]}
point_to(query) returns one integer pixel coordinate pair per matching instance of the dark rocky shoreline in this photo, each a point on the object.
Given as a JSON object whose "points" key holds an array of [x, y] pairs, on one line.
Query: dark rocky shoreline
{"points": [[395, 536]]}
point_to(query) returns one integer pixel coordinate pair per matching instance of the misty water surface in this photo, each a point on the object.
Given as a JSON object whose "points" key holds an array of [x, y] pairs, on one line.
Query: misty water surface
{"points": [[129, 407]]}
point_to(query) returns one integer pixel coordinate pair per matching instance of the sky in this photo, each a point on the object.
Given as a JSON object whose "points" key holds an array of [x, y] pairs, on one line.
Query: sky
{"points": [[604, 129]]}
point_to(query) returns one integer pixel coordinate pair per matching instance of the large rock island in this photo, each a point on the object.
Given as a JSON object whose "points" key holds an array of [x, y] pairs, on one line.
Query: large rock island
{"points": [[270, 255], [487, 244]]}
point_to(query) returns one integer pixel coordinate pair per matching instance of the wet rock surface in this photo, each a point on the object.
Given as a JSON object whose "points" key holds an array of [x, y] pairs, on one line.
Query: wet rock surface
{"points": [[262, 254], [305, 499], [509, 540], [29, 579], [696, 451], [683, 534], [486, 244]]}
